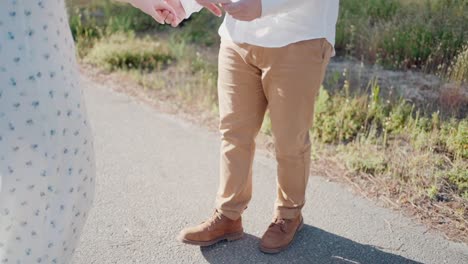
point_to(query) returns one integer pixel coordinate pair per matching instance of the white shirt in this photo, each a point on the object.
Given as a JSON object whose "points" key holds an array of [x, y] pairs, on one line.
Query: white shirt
{"points": [[282, 22]]}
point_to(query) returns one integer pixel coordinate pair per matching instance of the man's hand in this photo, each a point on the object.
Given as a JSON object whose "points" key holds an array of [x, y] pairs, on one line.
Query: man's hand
{"points": [[244, 10], [213, 8]]}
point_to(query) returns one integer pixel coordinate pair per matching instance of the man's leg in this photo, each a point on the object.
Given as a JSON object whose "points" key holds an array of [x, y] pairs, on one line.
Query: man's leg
{"points": [[292, 78], [242, 105]]}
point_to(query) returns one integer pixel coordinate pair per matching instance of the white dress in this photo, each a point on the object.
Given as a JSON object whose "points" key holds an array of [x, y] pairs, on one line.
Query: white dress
{"points": [[46, 155]]}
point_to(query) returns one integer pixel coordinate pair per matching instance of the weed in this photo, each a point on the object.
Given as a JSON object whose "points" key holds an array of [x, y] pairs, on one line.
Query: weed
{"points": [[124, 51]]}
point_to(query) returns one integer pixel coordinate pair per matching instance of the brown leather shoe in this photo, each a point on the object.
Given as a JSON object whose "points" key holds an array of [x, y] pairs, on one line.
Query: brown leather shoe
{"points": [[280, 234], [215, 229]]}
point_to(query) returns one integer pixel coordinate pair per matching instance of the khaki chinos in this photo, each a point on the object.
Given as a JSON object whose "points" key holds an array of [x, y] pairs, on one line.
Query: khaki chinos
{"points": [[285, 81]]}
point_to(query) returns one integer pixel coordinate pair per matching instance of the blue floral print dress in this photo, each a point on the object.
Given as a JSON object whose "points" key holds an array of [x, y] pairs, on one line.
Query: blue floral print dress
{"points": [[46, 153]]}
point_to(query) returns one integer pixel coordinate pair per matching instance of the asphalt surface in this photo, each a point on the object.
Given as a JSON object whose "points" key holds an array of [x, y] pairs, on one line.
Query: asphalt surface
{"points": [[158, 174]]}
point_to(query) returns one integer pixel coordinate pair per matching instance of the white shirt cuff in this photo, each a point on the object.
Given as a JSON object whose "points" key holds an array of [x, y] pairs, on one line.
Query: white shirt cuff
{"points": [[190, 7]]}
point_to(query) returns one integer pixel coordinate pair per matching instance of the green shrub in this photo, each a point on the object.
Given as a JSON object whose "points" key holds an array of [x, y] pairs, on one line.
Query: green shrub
{"points": [[201, 28], [455, 138], [401, 34], [341, 117], [454, 179], [85, 30], [433, 192], [371, 161], [124, 51], [458, 177], [344, 118], [458, 70]]}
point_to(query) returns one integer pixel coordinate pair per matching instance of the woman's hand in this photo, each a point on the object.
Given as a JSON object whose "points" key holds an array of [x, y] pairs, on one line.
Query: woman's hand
{"points": [[179, 11]]}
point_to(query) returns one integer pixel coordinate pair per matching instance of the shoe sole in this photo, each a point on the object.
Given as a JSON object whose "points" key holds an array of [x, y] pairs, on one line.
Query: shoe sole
{"points": [[280, 249], [228, 237]]}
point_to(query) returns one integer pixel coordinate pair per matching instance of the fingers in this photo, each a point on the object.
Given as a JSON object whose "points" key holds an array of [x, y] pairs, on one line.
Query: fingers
{"points": [[158, 16], [214, 9], [159, 12], [172, 20], [165, 15], [168, 17]]}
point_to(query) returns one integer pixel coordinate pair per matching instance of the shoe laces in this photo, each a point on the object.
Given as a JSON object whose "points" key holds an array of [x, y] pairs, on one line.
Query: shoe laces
{"points": [[280, 224], [213, 220]]}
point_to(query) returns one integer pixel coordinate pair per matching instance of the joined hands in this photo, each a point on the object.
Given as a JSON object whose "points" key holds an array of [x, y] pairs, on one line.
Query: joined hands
{"points": [[163, 11], [172, 12]]}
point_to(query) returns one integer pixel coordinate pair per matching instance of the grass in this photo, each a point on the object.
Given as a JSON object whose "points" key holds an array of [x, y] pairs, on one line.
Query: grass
{"points": [[458, 69], [388, 146], [372, 133], [167, 65], [429, 35], [124, 51], [401, 34]]}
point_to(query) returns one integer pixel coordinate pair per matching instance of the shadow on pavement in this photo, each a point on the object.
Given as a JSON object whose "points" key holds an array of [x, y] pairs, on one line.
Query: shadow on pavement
{"points": [[312, 245]]}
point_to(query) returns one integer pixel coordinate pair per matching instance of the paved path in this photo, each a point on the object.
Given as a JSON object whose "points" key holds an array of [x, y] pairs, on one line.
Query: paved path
{"points": [[157, 174]]}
